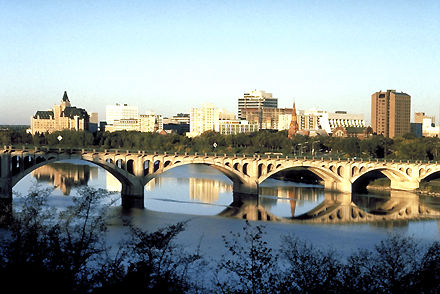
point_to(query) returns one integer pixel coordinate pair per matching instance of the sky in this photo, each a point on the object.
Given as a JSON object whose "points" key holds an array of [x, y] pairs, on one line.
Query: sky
{"points": [[170, 56]]}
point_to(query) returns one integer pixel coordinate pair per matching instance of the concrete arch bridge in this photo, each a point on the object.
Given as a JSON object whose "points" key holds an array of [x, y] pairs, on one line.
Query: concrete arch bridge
{"points": [[135, 169]]}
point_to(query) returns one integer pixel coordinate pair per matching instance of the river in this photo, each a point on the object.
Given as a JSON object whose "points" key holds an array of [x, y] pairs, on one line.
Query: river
{"points": [[205, 196]]}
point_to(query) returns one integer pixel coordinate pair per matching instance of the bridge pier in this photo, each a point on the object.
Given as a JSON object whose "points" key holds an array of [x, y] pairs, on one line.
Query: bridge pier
{"points": [[344, 187], [245, 189], [132, 195]]}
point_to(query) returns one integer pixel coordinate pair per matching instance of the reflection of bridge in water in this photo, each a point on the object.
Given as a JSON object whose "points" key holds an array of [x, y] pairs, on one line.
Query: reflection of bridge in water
{"points": [[341, 208], [135, 169]]}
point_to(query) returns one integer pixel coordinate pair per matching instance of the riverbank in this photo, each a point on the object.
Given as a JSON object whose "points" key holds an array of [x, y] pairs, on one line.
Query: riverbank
{"points": [[378, 189]]}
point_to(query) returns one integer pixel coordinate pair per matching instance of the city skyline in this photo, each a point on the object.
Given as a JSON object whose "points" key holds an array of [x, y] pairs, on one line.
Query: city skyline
{"points": [[171, 56]]}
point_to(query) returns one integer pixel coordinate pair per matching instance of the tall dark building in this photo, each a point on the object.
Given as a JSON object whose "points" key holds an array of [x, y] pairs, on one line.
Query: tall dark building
{"points": [[390, 113]]}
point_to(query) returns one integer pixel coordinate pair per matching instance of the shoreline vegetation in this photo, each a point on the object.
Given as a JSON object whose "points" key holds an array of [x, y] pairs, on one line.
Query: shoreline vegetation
{"points": [[66, 252], [407, 147], [431, 188]]}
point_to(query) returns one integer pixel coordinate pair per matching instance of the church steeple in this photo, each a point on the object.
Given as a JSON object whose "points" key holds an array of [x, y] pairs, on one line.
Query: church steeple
{"points": [[293, 127]]}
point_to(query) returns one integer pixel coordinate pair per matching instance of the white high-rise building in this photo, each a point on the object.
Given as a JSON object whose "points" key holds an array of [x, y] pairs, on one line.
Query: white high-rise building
{"points": [[209, 118], [119, 112], [205, 118]]}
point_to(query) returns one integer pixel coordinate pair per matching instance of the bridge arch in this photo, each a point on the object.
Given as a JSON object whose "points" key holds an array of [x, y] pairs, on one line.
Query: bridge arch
{"points": [[235, 175], [322, 172], [121, 175], [365, 175], [429, 174]]}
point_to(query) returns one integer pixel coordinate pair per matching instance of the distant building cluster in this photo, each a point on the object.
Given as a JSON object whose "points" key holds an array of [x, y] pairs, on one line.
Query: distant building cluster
{"points": [[426, 124], [257, 110], [209, 118], [63, 117], [127, 118]]}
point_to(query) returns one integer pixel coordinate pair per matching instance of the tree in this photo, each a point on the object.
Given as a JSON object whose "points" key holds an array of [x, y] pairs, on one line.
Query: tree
{"points": [[54, 252], [308, 269], [151, 262], [250, 266]]}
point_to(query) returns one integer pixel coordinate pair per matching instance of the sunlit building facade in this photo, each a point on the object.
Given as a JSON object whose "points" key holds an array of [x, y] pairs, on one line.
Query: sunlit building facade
{"points": [[256, 99], [390, 113], [60, 117], [118, 111]]}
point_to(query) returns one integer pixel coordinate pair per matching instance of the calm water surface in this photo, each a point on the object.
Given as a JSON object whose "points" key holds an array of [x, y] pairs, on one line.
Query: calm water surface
{"points": [[202, 190]]}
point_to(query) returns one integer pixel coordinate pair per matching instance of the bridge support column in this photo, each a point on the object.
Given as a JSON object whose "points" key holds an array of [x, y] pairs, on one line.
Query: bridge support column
{"points": [[345, 187], [245, 189], [132, 195]]}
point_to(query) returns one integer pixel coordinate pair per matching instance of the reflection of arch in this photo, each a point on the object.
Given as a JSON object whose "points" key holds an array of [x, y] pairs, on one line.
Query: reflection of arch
{"points": [[248, 208]]}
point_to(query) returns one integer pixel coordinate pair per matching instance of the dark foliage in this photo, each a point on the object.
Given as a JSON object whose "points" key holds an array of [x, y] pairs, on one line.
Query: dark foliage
{"points": [[406, 147], [50, 252], [250, 266]]}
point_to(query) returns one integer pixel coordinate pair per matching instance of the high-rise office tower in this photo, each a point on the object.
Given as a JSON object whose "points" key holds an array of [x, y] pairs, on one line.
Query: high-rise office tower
{"points": [[256, 100], [390, 113]]}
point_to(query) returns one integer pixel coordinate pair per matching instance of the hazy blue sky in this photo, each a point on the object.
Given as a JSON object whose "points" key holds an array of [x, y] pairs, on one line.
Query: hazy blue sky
{"points": [[169, 56]]}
